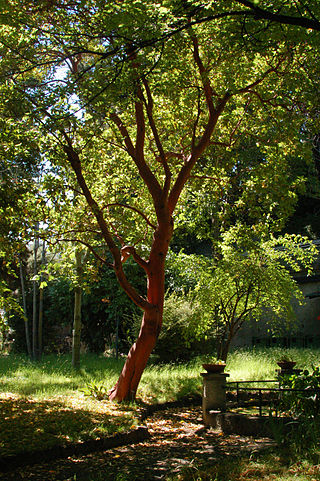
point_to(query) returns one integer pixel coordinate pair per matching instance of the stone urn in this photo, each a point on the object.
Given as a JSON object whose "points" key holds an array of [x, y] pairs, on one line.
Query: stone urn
{"points": [[213, 368], [286, 365]]}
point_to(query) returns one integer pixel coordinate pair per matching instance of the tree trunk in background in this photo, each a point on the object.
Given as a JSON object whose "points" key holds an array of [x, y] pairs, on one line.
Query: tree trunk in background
{"points": [[224, 345], [26, 322], [76, 332], [224, 351], [40, 321], [34, 303]]}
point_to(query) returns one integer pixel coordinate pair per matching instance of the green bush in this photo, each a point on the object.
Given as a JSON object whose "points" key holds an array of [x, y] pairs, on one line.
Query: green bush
{"points": [[174, 343], [304, 403]]}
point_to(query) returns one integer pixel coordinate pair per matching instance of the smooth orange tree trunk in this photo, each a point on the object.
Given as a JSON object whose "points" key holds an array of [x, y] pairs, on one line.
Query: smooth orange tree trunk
{"points": [[127, 384]]}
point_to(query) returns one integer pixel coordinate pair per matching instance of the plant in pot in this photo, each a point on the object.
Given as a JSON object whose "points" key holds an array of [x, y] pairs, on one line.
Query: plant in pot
{"points": [[286, 363], [214, 365]]}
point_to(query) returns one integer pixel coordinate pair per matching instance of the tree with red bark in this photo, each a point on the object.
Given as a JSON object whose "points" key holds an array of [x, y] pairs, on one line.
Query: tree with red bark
{"points": [[130, 105]]}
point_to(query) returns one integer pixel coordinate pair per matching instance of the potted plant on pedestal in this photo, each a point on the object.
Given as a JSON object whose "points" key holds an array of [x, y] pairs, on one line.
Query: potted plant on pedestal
{"points": [[286, 364], [214, 366]]}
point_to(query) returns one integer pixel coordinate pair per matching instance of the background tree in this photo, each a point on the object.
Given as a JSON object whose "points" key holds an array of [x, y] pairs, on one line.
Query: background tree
{"points": [[19, 165], [76, 331], [253, 277]]}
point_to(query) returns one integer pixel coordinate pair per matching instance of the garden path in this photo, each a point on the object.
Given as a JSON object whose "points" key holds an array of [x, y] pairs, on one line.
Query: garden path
{"points": [[178, 442]]}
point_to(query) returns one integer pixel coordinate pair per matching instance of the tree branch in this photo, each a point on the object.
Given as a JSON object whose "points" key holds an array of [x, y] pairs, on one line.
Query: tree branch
{"points": [[126, 251], [114, 250], [91, 249], [259, 13], [124, 133], [150, 180], [197, 151], [162, 156], [203, 73], [196, 122], [135, 209], [248, 87]]}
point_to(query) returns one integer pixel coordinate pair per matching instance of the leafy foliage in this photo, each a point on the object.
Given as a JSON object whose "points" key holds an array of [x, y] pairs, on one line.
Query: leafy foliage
{"points": [[302, 404], [96, 390], [252, 277], [174, 344]]}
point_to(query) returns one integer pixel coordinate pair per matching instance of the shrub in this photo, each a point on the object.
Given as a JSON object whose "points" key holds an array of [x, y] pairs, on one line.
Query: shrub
{"points": [[174, 343], [304, 405]]}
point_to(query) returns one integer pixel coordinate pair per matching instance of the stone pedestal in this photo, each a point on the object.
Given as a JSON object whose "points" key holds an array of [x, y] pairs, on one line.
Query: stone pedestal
{"points": [[213, 394]]}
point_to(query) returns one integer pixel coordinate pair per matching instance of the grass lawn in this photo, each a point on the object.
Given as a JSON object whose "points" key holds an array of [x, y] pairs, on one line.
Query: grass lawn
{"points": [[42, 404]]}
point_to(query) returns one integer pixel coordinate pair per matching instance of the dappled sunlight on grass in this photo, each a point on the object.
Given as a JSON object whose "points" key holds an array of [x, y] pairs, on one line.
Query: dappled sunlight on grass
{"points": [[26, 383], [29, 424], [54, 374], [42, 404]]}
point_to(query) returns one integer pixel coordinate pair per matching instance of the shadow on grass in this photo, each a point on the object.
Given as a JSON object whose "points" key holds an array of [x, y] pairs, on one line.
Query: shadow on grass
{"points": [[179, 446], [28, 425]]}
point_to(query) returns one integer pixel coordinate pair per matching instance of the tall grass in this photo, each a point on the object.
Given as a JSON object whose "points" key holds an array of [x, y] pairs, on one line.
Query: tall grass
{"points": [[54, 375], [257, 364], [171, 382]]}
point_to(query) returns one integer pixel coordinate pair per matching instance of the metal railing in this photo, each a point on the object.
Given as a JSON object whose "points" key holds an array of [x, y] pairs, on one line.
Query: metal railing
{"points": [[276, 394]]}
